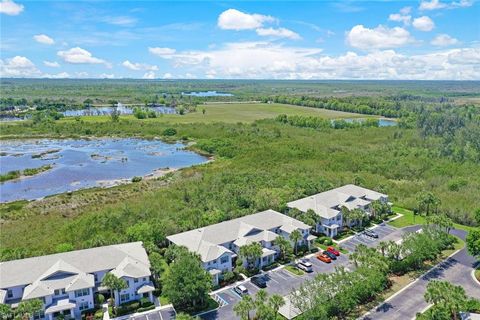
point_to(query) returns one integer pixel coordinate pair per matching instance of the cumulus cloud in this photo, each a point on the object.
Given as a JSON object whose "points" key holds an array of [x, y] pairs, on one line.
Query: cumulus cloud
{"points": [[403, 16], [18, 67], [423, 23], [437, 4], [162, 52], [106, 76], [444, 40], [51, 64], [278, 33], [277, 61], [138, 66], [380, 37], [233, 19], [149, 75], [43, 38], [167, 76], [60, 75], [10, 8], [78, 55]]}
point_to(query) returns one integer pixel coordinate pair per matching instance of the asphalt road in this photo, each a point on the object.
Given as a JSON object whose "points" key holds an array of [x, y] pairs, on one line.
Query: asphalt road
{"points": [[405, 305], [162, 314]]}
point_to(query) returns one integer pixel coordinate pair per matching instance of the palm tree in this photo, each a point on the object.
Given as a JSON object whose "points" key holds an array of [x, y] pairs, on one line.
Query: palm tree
{"points": [[243, 307], [445, 294], [26, 309], [383, 246], [251, 252], [283, 245], [295, 236], [113, 283], [276, 302], [347, 216]]}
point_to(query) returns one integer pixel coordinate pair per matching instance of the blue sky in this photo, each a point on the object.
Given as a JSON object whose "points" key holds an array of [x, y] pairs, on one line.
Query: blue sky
{"points": [[432, 39]]}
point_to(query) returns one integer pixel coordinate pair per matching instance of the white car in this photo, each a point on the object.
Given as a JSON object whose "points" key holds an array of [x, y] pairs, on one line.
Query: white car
{"points": [[241, 290], [305, 265]]}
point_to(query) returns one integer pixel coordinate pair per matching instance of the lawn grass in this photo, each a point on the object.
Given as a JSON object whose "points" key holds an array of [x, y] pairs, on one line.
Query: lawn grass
{"points": [[163, 300], [477, 274], [233, 113], [338, 247], [409, 219], [294, 270]]}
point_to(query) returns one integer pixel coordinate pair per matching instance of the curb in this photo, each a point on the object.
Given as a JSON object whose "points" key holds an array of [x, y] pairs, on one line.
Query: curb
{"points": [[410, 284], [474, 278]]}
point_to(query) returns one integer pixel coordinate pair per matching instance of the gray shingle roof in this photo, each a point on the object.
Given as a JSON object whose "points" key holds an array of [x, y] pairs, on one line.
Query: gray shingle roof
{"points": [[32, 270], [324, 203], [207, 241]]}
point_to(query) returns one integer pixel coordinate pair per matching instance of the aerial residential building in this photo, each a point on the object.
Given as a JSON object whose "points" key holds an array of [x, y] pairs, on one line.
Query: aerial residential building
{"points": [[66, 282], [328, 205], [218, 245]]}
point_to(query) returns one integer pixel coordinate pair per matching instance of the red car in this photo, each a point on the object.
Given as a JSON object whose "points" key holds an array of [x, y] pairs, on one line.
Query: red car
{"points": [[333, 250], [324, 258]]}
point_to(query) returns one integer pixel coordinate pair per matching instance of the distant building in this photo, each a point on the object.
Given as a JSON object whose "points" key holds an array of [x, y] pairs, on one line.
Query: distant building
{"points": [[328, 205], [66, 282], [218, 245]]}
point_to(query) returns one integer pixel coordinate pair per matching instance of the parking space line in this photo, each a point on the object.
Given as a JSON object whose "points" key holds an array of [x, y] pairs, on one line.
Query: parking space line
{"points": [[236, 294]]}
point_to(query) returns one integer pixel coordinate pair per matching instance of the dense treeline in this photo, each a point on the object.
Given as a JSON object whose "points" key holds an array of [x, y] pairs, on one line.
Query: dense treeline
{"points": [[319, 123], [257, 166]]}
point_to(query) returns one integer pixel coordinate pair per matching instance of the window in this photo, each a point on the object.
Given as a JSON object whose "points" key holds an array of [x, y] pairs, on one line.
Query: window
{"points": [[38, 315], [96, 277], [56, 292], [82, 292], [224, 259], [124, 297], [144, 279], [135, 280], [9, 293], [83, 305]]}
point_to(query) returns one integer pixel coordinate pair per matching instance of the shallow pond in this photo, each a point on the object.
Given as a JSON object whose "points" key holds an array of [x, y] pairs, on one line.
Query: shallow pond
{"points": [[382, 122], [207, 94], [79, 163]]}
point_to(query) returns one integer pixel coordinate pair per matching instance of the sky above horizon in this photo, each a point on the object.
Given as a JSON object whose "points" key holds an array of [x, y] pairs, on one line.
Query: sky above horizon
{"points": [[408, 40]]}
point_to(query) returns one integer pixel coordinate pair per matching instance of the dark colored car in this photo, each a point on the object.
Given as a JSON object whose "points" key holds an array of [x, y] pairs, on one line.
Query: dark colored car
{"points": [[330, 255], [371, 233], [259, 281]]}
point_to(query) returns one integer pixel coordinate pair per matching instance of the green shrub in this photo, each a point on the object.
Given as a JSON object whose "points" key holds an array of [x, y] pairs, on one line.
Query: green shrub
{"points": [[98, 314], [150, 307], [144, 302], [99, 299], [169, 132], [128, 307], [137, 179]]}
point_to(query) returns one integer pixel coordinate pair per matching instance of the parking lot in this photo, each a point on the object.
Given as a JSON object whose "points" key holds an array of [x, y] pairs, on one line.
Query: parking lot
{"points": [[167, 313], [279, 281], [385, 233]]}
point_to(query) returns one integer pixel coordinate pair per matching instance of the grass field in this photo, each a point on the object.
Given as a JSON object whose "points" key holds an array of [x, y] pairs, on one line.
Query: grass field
{"points": [[237, 112], [410, 219]]}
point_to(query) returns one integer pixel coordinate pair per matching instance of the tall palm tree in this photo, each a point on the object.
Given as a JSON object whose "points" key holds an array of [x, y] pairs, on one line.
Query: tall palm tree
{"points": [[276, 302], [283, 245], [243, 307], [295, 236], [383, 246], [113, 283]]}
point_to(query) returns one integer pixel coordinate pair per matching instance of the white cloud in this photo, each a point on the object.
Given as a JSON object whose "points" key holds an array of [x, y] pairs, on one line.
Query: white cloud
{"points": [[278, 33], [139, 66], [43, 38], [444, 40], [106, 76], [149, 75], [423, 23], [380, 37], [162, 52], [120, 21], [78, 55], [51, 64], [60, 75], [167, 76], [233, 19], [403, 16], [437, 4], [277, 61], [18, 66], [10, 8]]}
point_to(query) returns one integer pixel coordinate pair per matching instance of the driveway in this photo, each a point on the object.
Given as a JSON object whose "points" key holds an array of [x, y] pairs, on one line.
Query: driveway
{"points": [[407, 303], [167, 313]]}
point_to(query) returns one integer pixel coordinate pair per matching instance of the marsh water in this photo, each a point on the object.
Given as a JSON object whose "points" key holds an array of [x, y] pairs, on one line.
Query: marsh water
{"points": [[79, 163], [207, 94]]}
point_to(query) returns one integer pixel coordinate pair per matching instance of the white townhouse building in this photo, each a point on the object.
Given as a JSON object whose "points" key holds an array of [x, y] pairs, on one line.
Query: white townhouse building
{"points": [[218, 245], [328, 205], [66, 282]]}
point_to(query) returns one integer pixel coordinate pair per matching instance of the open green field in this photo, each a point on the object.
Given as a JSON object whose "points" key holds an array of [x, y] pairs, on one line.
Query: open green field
{"points": [[238, 112]]}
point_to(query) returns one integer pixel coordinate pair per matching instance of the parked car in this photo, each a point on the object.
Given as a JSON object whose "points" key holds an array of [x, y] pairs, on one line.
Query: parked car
{"points": [[259, 281], [333, 250], [241, 290], [370, 233], [330, 255], [324, 258], [305, 265]]}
